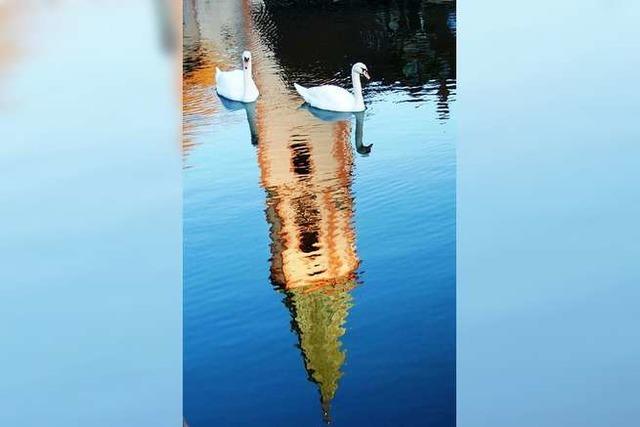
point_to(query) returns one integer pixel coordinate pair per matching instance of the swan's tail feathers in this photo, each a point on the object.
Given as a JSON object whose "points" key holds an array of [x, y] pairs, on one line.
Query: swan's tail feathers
{"points": [[301, 90]]}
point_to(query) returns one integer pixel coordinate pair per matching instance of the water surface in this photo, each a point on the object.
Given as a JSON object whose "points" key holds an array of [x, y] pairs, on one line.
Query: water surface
{"points": [[319, 255]]}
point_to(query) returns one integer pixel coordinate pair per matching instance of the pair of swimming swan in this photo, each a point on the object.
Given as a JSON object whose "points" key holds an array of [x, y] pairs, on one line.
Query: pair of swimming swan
{"points": [[238, 85]]}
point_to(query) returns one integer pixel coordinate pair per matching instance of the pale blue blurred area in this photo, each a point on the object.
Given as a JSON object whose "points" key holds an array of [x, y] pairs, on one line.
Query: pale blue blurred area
{"points": [[90, 176], [548, 204]]}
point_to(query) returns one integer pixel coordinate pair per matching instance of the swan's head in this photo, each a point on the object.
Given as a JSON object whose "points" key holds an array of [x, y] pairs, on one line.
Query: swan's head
{"points": [[246, 60], [361, 69]]}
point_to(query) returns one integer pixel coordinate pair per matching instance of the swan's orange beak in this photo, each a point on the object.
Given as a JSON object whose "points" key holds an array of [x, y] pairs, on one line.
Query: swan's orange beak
{"points": [[366, 74]]}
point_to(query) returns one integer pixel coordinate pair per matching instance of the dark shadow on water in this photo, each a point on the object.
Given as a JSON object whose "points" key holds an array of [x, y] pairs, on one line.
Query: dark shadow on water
{"points": [[404, 43]]}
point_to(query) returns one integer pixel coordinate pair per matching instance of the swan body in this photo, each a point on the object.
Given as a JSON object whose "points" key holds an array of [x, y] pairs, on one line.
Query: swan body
{"points": [[237, 85], [334, 98]]}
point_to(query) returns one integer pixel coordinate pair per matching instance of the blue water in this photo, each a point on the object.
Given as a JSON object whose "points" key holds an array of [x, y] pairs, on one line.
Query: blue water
{"points": [[272, 208]]}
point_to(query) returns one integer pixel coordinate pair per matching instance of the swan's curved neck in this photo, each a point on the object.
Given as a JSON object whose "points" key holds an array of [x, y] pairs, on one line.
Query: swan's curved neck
{"points": [[357, 90]]}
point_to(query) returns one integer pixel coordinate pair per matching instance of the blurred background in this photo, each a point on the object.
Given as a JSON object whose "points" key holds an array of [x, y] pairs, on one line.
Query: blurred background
{"points": [[548, 207], [90, 241]]}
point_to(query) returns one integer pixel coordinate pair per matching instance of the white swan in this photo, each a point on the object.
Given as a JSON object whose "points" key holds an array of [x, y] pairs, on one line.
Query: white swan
{"points": [[237, 85], [334, 98]]}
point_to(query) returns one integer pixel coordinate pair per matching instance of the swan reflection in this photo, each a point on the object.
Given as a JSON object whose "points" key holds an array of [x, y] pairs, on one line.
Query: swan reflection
{"points": [[250, 110], [334, 116]]}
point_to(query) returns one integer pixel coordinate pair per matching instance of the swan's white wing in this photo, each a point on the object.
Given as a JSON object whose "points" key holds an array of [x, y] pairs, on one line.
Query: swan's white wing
{"points": [[327, 97], [230, 84]]}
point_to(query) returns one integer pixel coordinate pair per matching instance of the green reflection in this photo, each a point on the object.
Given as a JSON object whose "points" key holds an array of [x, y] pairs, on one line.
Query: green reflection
{"points": [[318, 318]]}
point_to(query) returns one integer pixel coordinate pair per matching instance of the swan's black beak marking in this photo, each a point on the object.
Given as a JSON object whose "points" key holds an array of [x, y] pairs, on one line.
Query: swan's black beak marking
{"points": [[366, 74]]}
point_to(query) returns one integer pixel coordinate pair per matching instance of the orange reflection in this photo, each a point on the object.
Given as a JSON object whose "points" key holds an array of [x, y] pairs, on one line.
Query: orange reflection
{"points": [[309, 205], [306, 168], [307, 178], [203, 48]]}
